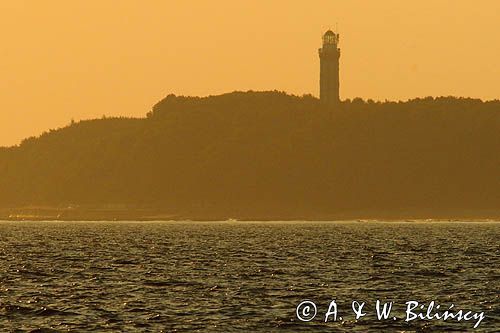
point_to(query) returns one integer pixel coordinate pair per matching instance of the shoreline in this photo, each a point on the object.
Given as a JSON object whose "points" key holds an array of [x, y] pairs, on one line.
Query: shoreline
{"points": [[261, 220], [145, 214]]}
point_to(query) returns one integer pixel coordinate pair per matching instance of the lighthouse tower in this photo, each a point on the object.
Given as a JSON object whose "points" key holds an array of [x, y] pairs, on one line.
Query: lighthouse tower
{"points": [[329, 56]]}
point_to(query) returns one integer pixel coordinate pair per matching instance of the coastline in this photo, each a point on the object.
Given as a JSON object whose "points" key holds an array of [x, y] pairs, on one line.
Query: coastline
{"points": [[155, 214]]}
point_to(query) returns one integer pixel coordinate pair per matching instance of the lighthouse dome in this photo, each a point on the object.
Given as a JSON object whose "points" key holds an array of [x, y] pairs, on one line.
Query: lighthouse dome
{"points": [[330, 38]]}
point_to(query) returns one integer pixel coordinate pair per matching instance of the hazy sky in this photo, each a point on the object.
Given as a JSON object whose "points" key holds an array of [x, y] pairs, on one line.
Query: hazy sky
{"points": [[79, 59]]}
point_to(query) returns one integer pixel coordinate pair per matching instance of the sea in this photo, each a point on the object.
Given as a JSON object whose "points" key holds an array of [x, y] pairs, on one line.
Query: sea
{"points": [[232, 276]]}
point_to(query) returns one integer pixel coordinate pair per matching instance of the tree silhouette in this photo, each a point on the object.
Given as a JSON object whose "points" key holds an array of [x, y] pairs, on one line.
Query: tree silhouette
{"points": [[270, 155]]}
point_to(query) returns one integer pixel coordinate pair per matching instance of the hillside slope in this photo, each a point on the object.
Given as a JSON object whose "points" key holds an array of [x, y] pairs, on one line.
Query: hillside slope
{"points": [[268, 155]]}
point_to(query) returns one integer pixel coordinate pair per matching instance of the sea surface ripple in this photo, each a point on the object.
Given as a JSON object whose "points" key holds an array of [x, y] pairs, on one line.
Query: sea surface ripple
{"points": [[241, 277]]}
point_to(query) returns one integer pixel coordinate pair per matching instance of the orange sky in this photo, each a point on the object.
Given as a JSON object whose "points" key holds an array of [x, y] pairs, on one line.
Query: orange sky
{"points": [[79, 59]]}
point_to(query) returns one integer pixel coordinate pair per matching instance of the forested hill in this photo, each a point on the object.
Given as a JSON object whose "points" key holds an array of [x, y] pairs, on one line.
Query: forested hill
{"points": [[268, 155]]}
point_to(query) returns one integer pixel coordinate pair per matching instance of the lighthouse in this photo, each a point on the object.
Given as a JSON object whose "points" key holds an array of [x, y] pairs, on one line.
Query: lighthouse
{"points": [[329, 84]]}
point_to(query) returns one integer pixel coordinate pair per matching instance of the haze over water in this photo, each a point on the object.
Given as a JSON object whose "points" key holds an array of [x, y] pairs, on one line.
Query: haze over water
{"points": [[245, 277]]}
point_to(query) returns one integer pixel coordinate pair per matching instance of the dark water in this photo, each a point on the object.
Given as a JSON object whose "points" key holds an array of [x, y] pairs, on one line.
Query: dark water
{"points": [[242, 277]]}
